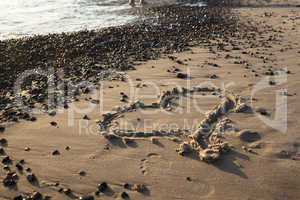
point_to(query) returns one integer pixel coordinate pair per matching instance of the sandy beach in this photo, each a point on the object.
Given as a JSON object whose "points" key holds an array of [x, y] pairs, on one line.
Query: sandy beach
{"points": [[214, 118]]}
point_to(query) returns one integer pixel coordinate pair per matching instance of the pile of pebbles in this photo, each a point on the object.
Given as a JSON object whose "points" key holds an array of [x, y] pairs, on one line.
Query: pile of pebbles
{"points": [[85, 55]]}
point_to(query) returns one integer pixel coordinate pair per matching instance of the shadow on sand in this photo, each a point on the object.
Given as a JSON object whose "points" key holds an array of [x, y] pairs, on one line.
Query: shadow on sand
{"points": [[228, 163]]}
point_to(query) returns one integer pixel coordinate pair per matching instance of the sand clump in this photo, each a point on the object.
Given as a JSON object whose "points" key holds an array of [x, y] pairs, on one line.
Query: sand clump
{"points": [[207, 139]]}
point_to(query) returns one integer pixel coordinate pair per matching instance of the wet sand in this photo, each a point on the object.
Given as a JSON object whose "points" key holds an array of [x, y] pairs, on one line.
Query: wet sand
{"points": [[257, 167]]}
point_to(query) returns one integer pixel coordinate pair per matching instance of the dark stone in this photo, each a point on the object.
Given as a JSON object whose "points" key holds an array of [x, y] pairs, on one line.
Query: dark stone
{"points": [[6, 160], [55, 153], [86, 117], [124, 195], [33, 119], [182, 75], [127, 186], [9, 181], [3, 142], [67, 191], [102, 187], [31, 178], [53, 123], [2, 151], [2, 129], [19, 197], [37, 196], [19, 167], [89, 197], [263, 111], [82, 173]]}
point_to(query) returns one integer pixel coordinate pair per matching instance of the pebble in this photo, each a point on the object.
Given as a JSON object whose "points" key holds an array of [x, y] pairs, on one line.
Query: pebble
{"points": [[154, 140], [27, 149], [19, 197], [86, 117], [53, 123], [2, 151], [19, 167], [9, 181], [67, 191], [89, 197], [31, 178], [127, 186], [141, 188], [214, 76], [33, 119], [263, 111], [82, 173], [102, 187], [124, 195], [66, 106], [3, 142], [55, 153], [6, 160], [182, 75], [2, 129], [37, 196], [95, 101], [52, 113]]}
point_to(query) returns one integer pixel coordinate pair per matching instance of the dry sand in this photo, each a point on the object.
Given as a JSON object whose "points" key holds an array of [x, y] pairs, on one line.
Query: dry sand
{"points": [[271, 171]]}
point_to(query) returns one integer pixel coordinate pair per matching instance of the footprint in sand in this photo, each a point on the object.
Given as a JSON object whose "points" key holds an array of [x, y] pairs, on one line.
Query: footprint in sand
{"points": [[203, 189], [144, 161]]}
